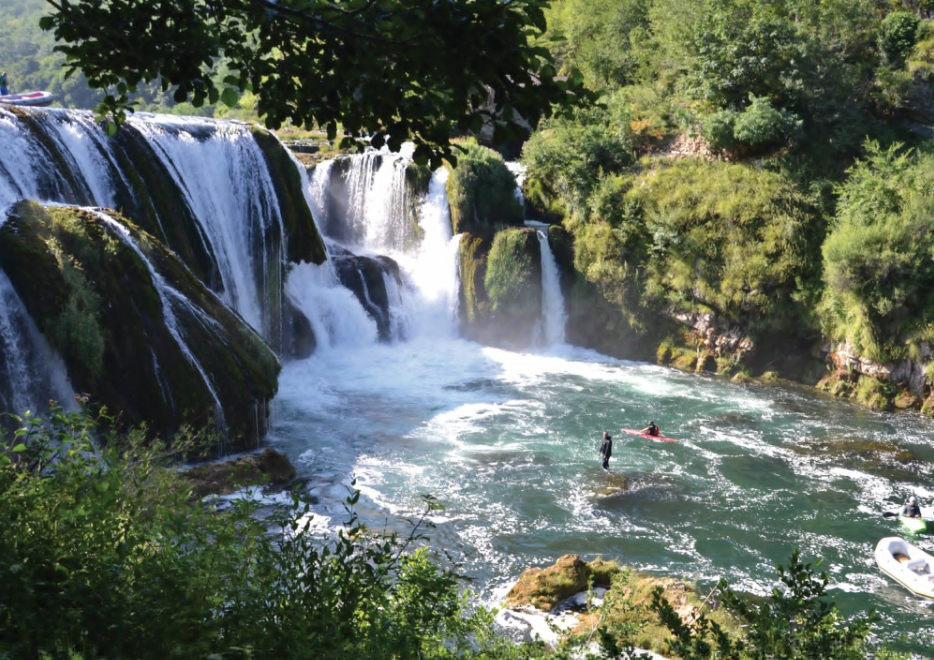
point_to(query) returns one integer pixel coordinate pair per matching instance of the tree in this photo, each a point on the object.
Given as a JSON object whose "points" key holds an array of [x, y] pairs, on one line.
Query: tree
{"points": [[797, 621], [385, 69]]}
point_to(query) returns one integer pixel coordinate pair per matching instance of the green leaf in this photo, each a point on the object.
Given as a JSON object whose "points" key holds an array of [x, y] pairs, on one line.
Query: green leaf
{"points": [[230, 97]]}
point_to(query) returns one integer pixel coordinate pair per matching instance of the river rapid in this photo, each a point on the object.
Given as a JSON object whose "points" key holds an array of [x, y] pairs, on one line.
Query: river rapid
{"points": [[508, 442]]}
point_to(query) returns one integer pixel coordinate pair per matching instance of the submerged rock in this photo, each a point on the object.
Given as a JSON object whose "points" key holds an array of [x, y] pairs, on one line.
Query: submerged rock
{"points": [[223, 478]]}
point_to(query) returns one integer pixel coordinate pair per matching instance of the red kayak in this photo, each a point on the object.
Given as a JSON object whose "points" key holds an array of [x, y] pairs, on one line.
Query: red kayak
{"points": [[660, 438]]}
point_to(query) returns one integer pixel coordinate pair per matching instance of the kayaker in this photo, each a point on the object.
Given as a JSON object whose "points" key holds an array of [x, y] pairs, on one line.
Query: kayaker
{"points": [[651, 429], [912, 510], [606, 450], [3, 84]]}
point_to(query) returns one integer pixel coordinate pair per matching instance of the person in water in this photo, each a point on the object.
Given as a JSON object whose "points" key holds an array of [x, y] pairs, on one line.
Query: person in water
{"points": [[651, 429], [606, 450], [3, 84], [912, 510]]}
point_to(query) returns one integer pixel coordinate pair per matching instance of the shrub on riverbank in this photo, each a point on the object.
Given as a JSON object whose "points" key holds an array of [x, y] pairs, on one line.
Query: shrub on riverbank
{"points": [[102, 554]]}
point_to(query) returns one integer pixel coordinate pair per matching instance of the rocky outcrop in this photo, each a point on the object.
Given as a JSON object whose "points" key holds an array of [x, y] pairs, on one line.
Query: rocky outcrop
{"points": [[900, 384], [267, 469], [500, 306], [138, 332], [543, 588]]}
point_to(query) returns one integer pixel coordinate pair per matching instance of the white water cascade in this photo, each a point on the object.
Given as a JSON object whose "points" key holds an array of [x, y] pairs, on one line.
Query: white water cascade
{"points": [[376, 218], [32, 374], [229, 189], [554, 317], [171, 300], [223, 217]]}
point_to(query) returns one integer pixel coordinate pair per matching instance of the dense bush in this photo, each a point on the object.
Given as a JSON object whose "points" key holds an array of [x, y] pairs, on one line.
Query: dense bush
{"points": [[898, 34], [738, 241], [566, 159], [104, 554], [879, 258], [511, 273], [481, 190], [797, 622]]}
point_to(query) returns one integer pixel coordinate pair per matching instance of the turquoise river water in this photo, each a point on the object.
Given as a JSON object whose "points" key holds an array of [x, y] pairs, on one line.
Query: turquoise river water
{"points": [[507, 442]]}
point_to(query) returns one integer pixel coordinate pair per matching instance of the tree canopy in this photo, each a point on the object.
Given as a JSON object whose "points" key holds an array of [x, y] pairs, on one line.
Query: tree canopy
{"points": [[392, 70]]}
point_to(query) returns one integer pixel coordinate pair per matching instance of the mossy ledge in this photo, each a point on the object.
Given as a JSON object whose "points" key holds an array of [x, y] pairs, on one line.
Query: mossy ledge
{"points": [[96, 302], [628, 593], [501, 291]]}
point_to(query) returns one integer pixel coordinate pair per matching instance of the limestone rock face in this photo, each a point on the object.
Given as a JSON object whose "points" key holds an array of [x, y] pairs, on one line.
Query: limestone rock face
{"points": [[138, 332]]}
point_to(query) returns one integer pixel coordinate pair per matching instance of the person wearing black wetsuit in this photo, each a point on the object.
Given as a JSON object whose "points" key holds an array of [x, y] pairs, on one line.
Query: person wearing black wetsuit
{"points": [[912, 510], [606, 450], [651, 429]]}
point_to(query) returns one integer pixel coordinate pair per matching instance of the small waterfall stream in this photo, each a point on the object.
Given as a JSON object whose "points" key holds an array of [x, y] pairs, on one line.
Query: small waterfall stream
{"points": [[30, 373], [554, 317]]}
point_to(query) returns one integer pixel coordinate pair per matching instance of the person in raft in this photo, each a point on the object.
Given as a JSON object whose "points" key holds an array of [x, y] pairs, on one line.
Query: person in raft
{"points": [[606, 450], [651, 429], [912, 510]]}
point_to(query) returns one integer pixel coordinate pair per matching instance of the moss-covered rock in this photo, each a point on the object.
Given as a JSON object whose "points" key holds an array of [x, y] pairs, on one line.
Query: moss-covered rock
{"points": [[482, 191], [160, 350], [501, 286], [543, 588], [269, 468]]}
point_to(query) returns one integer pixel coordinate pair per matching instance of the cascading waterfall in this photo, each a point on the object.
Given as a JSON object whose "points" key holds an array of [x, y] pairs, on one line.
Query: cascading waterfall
{"points": [[433, 271], [222, 216], [376, 217], [59, 156], [227, 185], [172, 300], [30, 373], [554, 317], [518, 171], [336, 316], [65, 157]]}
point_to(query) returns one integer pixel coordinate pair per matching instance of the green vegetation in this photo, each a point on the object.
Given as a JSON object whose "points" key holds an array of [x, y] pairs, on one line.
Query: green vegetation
{"points": [[105, 555], [762, 163], [511, 273], [796, 622], [306, 63], [879, 257], [481, 190]]}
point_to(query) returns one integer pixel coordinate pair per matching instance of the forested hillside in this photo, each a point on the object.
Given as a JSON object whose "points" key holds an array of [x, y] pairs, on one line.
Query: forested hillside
{"points": [[764, 164], [31, 64]]}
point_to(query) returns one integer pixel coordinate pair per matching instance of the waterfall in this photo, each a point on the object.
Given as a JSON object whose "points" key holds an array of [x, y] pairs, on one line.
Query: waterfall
{"points": [[371, 210], [60, 156], [335, 314], [172, 301], [518, 171], [221, 181], [221, 173], [30, 373], [553, 314], [433, 271]]}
